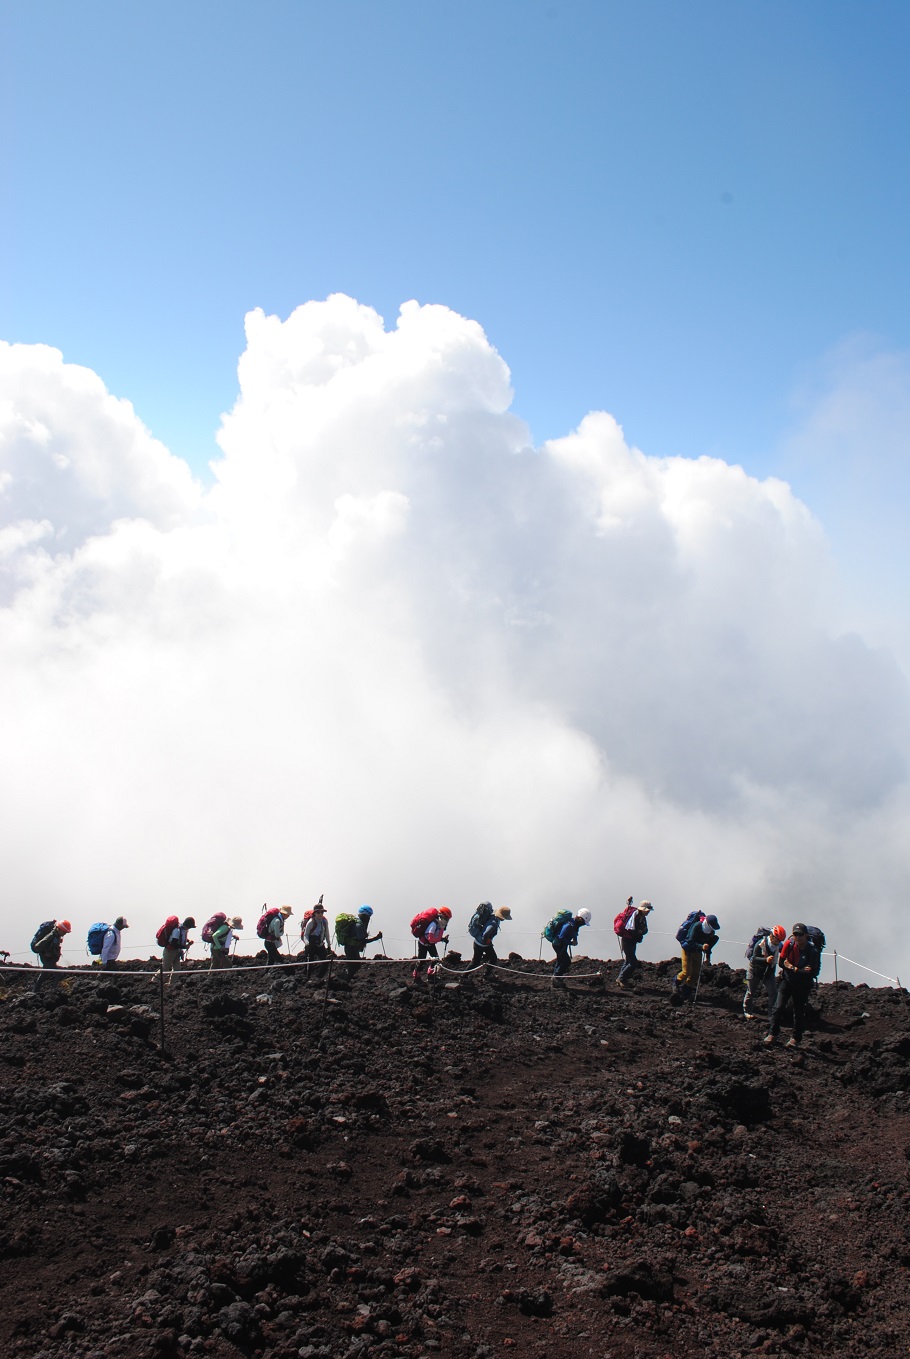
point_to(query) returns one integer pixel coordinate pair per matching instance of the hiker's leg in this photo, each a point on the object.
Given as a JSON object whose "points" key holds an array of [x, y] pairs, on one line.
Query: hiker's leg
{"points": [[800, 1001], [783, 994], [630, 963]]}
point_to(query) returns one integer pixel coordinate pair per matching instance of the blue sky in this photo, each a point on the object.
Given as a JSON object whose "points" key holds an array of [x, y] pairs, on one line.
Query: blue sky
{"points": [[388, 646], [674, 212]]}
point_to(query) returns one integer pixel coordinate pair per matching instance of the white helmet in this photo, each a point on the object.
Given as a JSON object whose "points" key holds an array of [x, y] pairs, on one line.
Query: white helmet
{"points": [[585, 916]]}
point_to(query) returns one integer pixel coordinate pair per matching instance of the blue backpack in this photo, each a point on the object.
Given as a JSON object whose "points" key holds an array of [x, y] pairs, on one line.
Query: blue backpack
{"points": [[95, 941], [480, 920], [683, 931]]}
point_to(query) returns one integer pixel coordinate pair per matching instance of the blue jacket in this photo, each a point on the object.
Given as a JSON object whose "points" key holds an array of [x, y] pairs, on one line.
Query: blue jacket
{"points": [[568, 934], [485, 934]]}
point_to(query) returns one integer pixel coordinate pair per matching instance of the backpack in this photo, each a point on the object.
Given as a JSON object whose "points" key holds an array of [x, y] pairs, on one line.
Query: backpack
{"points": [[621, 923], [420, 922], [479, 921], [817, 937], [41, 935], [164, 933], [343, 924], [95, 941], [210, 926], [552, 927], [265, 920], [685, 927], [760, 933]]}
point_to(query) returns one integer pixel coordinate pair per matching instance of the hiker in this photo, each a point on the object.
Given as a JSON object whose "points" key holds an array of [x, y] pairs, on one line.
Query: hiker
{"points": [[632, 931], [223, 937], [352, 933], [762, 954], [429, 929], [271, 931], [697, 935], [565, 936], [315, 935], [483, 929], [48, 945], [176, 944], [799, 961], [110, 949]]}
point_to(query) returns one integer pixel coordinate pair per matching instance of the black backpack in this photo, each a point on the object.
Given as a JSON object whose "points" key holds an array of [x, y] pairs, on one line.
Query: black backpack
{"points": [[817, 937], [760, 933], [42, 937]]}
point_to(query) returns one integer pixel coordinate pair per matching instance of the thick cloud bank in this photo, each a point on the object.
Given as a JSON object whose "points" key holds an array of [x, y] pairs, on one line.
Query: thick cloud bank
{"points": [[398, 655]]}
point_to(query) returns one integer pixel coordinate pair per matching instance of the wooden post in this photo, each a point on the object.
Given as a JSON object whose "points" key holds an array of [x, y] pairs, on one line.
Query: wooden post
{"points": [[161, 1000], [325, 999]]}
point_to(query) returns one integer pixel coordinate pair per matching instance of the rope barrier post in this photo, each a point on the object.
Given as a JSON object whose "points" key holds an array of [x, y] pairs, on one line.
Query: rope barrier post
{"points": [[835, 967], [325, 998], [161, 1000]]}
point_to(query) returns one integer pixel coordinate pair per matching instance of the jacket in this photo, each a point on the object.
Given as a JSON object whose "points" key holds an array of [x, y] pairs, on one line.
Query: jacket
{"points": [[699, 936], [316, 931], [222, 938], [568, 935], [50, 947], [799, 958], [110, 949]]}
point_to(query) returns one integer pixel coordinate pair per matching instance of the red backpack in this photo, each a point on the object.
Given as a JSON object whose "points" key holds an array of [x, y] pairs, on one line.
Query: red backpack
{"points": [[166, 930], [420, 922], [621, 923], [262, 929], [210, 926]]}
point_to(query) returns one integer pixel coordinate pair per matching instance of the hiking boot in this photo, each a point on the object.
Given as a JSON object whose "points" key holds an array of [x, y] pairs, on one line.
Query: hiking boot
{"points": [[769, 1038], [558, 984], [792, 1043]]}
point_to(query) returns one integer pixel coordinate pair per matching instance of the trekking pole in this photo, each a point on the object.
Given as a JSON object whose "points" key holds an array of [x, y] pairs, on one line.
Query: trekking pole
{"points": [[161, 999]]}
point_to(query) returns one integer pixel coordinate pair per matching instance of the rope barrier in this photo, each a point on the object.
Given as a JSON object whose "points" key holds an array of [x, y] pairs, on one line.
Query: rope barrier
{"points": [[152, 970], [844, 959]]}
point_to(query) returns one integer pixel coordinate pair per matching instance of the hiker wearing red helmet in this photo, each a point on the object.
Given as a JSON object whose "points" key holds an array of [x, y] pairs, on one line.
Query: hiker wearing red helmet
{"points": [[47, 944], [762, 953], [429, 929]]}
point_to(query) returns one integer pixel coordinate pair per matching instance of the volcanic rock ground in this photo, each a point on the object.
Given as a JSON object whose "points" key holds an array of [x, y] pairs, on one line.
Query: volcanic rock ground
{"points": [[465, 1170]]}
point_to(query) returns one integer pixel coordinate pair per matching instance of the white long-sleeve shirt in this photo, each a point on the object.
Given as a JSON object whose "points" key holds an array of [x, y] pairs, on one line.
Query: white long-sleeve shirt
{"points": [[110, 949]]}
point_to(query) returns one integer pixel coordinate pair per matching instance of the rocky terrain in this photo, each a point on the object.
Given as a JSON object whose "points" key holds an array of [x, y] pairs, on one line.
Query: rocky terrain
{"points": [[467, 1169]]}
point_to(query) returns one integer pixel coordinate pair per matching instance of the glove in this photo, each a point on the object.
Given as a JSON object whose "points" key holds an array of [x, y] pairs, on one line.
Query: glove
{"points": [[379, 935]]}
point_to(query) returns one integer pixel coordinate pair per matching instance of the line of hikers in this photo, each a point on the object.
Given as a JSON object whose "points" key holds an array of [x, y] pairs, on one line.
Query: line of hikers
{"points": [[785, 968]]}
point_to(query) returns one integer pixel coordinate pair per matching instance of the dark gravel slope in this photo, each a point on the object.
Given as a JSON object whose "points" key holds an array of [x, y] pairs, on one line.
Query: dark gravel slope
{"points": [[483, 1167]]}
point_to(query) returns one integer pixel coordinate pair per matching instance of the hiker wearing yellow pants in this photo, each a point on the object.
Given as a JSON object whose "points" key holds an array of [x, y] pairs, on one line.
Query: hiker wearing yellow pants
{"points": [[696, 947]]}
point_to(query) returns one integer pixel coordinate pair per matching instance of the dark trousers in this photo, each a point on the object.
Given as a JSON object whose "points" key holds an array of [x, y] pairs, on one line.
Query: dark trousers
{"points": [[318, 954], [483, 953], [794, 987], [353, 952], [51, 983], [271, 949], [563, 961], [425, 951], [631, 964]]}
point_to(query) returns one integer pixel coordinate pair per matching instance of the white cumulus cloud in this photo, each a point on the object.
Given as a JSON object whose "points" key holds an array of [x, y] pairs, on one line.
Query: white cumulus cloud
{"points": [[396, 654]]}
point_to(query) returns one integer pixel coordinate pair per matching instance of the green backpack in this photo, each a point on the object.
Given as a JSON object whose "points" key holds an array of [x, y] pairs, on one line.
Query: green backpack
{"points": [[343, 926]]}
